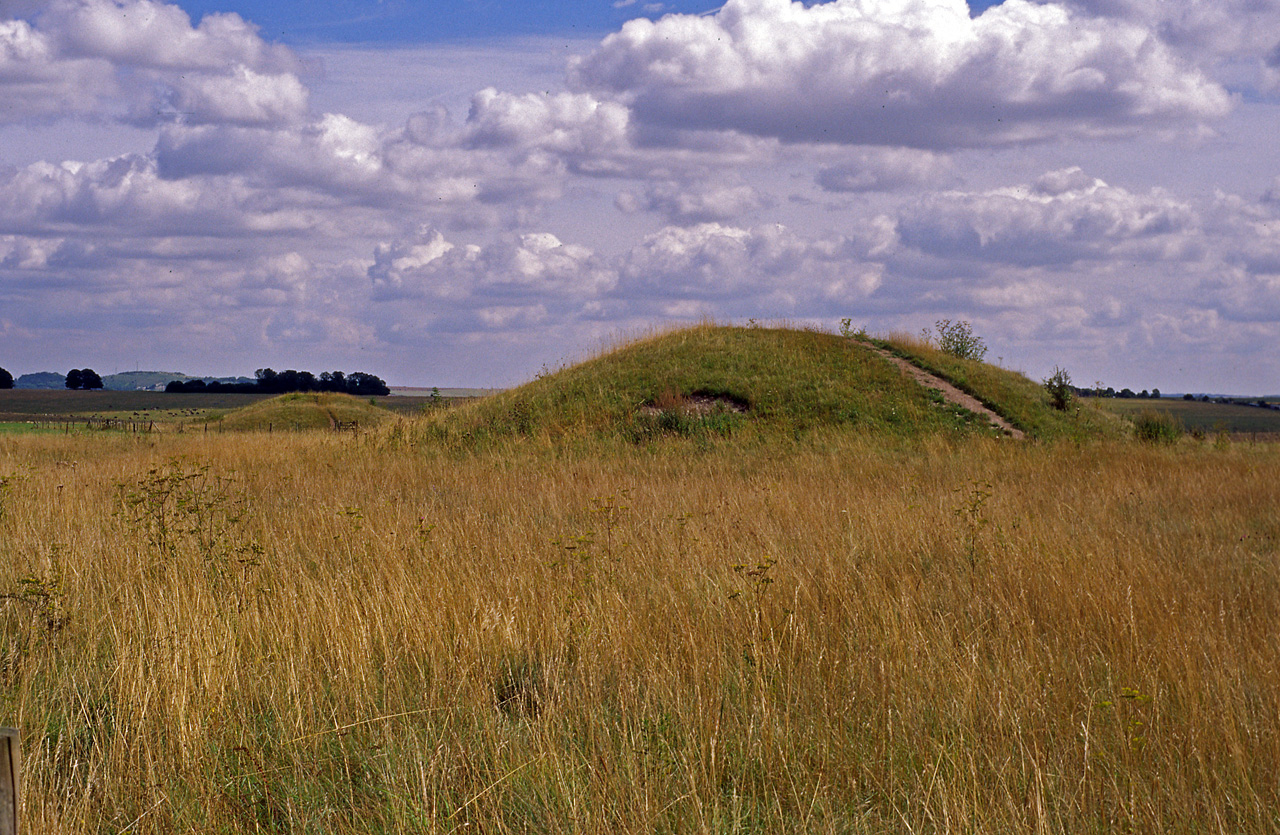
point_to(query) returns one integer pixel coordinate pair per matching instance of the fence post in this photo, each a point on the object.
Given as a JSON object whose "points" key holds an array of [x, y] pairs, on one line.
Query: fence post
{"points": [[10, 780]]}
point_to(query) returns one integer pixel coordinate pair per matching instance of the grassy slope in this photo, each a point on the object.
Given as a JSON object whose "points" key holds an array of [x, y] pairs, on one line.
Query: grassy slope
{"points": [[790, 380], [1018, 399], [306, 411]]}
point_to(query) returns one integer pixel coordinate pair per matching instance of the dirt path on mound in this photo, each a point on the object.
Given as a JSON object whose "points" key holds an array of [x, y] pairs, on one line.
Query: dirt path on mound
{"points": [[949, 392]]}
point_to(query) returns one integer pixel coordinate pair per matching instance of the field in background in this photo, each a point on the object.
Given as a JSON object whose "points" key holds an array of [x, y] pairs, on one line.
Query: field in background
{"points": [[1206, 417], [168, 411], [829, 632], [37, 404]]}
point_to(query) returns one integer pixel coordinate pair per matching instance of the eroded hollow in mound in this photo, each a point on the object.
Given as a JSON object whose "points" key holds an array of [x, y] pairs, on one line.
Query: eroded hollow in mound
{"points": [[698, 403]]}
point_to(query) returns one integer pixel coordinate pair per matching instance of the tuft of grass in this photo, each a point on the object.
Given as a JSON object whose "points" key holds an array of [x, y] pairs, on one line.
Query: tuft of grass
{"points": [[1157, 427]]}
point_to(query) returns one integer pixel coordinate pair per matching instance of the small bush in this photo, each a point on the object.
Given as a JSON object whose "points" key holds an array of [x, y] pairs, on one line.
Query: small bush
{"points": [[848, 331], [1155, 427], [958, 340], [1058, 384]]}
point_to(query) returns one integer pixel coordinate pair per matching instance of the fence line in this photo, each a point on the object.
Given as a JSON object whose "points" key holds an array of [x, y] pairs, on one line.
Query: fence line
{"points": [[66, 423]]}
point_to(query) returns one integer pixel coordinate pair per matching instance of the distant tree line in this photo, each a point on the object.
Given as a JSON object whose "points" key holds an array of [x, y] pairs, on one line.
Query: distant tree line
{"points": [[1125, 393], [6, 379], [268, 381], [1154, 394], [1261, 402]]}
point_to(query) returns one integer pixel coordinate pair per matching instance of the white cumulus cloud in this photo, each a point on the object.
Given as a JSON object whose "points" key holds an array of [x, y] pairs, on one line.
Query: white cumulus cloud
{"points": [[1063, 217], [144, 62], [765, 268], [918, 73]]}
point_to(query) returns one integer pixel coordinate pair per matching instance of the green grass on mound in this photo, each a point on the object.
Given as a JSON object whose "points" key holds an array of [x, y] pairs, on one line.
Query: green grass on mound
{"points": [[711, 380], [1021, 401], [306, 411]]}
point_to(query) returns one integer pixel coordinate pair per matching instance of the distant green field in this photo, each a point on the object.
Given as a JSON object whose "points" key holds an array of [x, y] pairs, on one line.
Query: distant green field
{"points": [[1209, 417]]}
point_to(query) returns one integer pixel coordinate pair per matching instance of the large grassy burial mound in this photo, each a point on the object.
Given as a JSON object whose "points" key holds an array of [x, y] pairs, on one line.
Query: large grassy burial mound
{"points": [[307, 411], [713, 380]]}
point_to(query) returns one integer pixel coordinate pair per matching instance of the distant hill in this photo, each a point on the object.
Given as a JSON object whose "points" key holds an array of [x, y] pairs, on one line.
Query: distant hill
{"points": [[41, 380], [125, 381], [141, 380], [157, 380]]}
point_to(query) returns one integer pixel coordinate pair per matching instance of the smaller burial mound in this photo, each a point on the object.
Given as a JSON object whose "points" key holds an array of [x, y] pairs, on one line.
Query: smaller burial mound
{"points": [[308, 410]]}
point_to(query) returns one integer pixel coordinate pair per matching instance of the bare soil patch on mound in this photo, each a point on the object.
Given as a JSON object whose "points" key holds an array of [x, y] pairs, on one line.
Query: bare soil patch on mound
{"points": [[698, 404]]}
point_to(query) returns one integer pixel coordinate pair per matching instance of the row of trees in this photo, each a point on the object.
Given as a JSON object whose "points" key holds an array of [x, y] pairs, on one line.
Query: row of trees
{"points": [[269, 381]]}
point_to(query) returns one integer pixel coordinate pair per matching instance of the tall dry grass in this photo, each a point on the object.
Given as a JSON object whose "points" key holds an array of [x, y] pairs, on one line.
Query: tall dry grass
{"points": [[306, 633]]}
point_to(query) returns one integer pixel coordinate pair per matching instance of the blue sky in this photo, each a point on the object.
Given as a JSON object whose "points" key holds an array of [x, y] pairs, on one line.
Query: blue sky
{"points": [[463, 193], [414, 21], [410, 21]]}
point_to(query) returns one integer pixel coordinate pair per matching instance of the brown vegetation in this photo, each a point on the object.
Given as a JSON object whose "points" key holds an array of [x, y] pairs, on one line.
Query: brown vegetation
{"points": [[315, 632]]}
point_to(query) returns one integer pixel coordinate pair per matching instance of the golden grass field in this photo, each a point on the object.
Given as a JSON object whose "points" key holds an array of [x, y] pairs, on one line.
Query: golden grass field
{"points": [[321, 632]]}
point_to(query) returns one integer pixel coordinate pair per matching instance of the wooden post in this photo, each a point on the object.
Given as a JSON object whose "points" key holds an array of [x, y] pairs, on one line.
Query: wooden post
{"points": [[10, 781]]}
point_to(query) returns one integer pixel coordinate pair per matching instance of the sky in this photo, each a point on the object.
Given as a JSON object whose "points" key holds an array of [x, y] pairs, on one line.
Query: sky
{"points": [[469, 193]]}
